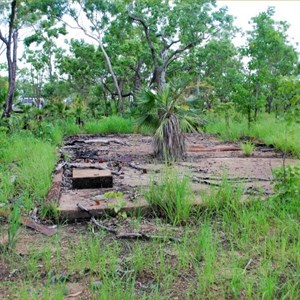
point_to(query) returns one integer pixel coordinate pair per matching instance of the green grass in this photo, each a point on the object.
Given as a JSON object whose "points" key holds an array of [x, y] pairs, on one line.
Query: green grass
{"points": [[247, 148], [112, 124], [26, 167], [171, 196], [237, 250], [229, 250], [279, 133]]}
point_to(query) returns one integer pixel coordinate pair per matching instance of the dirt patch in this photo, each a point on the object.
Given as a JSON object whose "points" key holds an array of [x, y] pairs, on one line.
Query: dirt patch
{"points": [[130, 159]]}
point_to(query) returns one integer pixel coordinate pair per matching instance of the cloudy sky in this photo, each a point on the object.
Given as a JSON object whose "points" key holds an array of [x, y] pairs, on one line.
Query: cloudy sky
{"points": [[287, 10]]}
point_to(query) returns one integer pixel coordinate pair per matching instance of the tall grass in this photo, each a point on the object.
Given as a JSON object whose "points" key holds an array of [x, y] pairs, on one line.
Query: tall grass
{"points": [[112, 124], [171, 196], [27, 164], [279, 133]]}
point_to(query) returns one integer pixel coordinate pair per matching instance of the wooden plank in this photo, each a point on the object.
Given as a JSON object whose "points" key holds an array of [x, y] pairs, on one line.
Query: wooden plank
{"points": [[91, 179], [38, 227]]}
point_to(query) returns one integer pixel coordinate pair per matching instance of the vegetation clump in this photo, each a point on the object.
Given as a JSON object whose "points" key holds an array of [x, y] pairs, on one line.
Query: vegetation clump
{"points": [[247, 148], [171, 196]]}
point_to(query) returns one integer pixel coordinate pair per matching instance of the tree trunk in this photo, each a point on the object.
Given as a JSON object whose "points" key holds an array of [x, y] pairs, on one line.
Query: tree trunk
{"points": [[11, 56], [108, 63], [159, 77], [11, 44], [269, 104], [198, 86], [170, 146], [137, 76], [249, 116]]}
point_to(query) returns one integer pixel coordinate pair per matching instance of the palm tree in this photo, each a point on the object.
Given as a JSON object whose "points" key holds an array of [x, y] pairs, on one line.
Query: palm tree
{"points": [[169, 115]]}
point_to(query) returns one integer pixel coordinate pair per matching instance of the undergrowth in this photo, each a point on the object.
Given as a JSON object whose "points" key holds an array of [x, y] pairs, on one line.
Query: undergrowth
{"points": [[112, 124], [26, 167], [230, 250], [281, 134]]}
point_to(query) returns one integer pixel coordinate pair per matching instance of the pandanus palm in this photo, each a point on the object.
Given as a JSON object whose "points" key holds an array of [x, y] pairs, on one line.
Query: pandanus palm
{"points": [[170, 117]]}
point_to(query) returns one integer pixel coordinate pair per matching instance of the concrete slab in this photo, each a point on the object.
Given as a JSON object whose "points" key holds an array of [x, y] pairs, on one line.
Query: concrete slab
{"points": [[88, 198], [91, 178]]}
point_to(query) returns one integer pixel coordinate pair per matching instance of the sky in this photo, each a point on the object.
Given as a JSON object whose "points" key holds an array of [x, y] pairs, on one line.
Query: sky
{"points": [[244, 10], [286, 10]]}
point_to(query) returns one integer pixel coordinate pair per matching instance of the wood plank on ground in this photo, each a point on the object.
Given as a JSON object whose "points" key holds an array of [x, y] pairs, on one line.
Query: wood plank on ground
{"points": [[91, 178]]}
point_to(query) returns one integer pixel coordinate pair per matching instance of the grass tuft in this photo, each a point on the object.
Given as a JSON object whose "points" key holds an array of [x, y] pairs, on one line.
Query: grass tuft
{"points": [[247, 148], [171, 196]]}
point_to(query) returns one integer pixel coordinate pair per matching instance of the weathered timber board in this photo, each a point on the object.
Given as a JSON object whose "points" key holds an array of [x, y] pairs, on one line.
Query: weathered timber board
{"points": [[91, 179]]}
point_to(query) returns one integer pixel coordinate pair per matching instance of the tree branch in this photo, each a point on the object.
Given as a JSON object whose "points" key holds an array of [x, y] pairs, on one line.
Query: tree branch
{"points": [[173, 55], [12, 20], [146, 30], [3, 39]]}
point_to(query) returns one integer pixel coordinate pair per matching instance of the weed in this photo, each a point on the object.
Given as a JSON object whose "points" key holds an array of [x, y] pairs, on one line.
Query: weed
{"points": [[171, 196], [30, 162], [49, 210], [113, 194], [225, 198], [287, 182], [284, 138], [247, 148]]}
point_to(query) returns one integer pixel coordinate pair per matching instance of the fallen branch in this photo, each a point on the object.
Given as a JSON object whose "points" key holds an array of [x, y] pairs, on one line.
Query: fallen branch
{"points": [[247, 265], [130, 235], [104, 141], [212, 149], [60, 166], [134, 166], [234, 179], [98, 224], [38, 227], [143, 236], [195, 179], [73, 142]]}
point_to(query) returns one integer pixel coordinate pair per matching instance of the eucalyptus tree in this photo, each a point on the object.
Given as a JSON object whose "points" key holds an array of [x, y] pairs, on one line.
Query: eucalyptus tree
{"points": [[287, 97], [95, 22], [129, 53], [172, 28], [17, 14], [11, 43], [44, 41], [271, 56], [82, 65], [217, 68]]}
